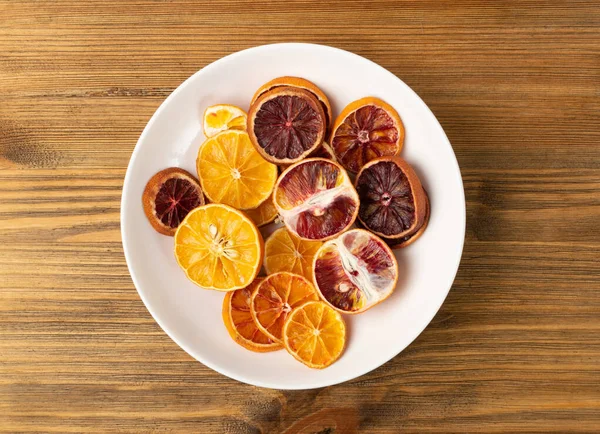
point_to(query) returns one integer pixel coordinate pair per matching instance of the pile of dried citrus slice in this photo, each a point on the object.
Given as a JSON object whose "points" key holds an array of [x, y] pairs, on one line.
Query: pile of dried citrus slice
{"points": [[272, 166]]}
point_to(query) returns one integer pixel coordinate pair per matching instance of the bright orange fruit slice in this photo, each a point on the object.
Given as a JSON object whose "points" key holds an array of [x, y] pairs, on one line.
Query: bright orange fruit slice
{"points": [[223, 117], [275, 298], [264, 214], [219, 247], [232, 172], [315, 334], [240, 324], [284, 251]]}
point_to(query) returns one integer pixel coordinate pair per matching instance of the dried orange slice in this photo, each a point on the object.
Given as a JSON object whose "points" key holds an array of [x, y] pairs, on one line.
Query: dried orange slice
{"points": [[316, 199], [286, 124], [168, 197], [233, 173], [323, 151], [275, 298], [284, 251], [223, 117], [355, 271], [301, 83], [407, 240], [219, 247], [240, 324], [264, 214], [366, 129], [393, 203], [315, 334]]}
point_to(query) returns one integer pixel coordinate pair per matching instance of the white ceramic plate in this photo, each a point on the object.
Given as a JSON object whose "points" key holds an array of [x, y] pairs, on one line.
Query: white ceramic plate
{"points": [[191, 316]]}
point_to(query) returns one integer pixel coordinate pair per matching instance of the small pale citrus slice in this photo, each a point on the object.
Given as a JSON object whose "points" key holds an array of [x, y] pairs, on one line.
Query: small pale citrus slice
{"points": [[284, 251], [219, 247], [286, 124], [275, 298], [355, 271], [221, 117], [264, 214], [315, 199], [233, 173], [366, 129], [240, 324], [315, 334], [168, 197]]}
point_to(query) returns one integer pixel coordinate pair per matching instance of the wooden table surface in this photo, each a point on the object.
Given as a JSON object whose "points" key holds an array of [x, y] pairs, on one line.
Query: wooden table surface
{"points": [[516, 346]]}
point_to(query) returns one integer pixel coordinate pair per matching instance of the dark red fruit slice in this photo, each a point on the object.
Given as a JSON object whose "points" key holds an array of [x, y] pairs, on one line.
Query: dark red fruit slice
{"points": [[286, 124], [168, 197], [392, 200], [323, 151], [407, 240]]}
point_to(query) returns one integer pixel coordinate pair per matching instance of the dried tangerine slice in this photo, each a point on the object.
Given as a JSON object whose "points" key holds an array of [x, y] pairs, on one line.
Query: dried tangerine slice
{"points": [[366, 129], [315, 334], [219, 247], [316, 199], [233, 173], [168, 197], [393, 203], [355, 271], [275, 298], [264, 214], [223, 117], [240, 324], [284, 251], [286, 124]]}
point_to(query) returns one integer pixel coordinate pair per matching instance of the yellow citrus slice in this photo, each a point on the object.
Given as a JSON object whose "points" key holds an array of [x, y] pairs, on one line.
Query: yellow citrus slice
{"points": [[275, 298], [219, 247], [223, 117], [285, 251], [240, 324], [232, 172], [315, 334], [264, 214]]}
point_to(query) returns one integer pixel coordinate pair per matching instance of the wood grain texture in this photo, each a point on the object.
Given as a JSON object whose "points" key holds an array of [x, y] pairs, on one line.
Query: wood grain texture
{"points": [[516, 346]]}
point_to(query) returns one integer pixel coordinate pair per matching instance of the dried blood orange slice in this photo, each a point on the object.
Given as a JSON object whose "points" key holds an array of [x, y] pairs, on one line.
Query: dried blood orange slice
{"points": [[315, 334], [355, 271], [301, 83], [168, 197], [366, 129], [240, 324], [392, 200], [316, 199], [286, 124], [323, 151], [284, 251], [407, 240], [275, 298], [264, 214]]}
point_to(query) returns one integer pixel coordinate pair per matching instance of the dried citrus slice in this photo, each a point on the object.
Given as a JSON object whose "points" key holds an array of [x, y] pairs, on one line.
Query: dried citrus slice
{"points": [[316, 199], [168, 197], [366, 129], [355, 271], [233, 173], [264, 214], [223, 117], [315, 334], [219, 247], [275, 298], [407, 240], [240, 324], [286, 124], [284, 251], [323, 151], [392, 200], [301, 83]]}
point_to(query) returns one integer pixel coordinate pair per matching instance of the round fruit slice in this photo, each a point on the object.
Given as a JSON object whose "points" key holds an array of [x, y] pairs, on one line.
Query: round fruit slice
{"points": [[286, 124], [275, 298], [323, 151], [284, 251], [407, 240], [366, 129], [219, 247], [315, 334], [240, 324], [301, 83], [316, 199], [168, 197], [392, 200], [355, 271], [233, 173], [264, 214], [223, 117]]}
